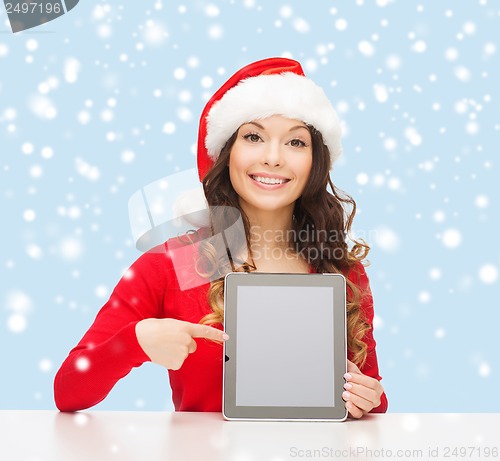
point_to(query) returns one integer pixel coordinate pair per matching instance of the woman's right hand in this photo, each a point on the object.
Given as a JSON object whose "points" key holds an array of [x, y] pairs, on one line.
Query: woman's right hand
{"points": [[168, 342]]}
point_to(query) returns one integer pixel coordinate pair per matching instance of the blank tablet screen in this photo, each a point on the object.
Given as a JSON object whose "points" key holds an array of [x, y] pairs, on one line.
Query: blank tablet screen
{"points": [[286, 353], [278, 361]]}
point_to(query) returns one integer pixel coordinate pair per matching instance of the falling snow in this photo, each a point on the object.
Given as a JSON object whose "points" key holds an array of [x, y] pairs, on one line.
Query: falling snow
{"points": [[341, 24], [82, 364], [45, 365], [387, 239], [72, 68], [301, 25], [4, 50], [452, 238], [42, 106], [154, 33], [381, 93], [366, 48], [488, 273], [86, 170], [29, 215], [109, 102], [70, 249]]}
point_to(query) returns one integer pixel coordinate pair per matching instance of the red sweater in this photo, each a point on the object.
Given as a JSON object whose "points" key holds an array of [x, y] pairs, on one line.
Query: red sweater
{"points": [[109, 349]]}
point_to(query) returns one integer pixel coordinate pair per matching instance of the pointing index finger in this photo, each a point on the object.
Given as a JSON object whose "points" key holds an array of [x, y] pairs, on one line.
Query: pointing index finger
{"points": [[208, 332]]}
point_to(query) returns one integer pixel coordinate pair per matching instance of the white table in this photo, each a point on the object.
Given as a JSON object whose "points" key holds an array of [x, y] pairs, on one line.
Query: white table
{"points": [[124, 436]]}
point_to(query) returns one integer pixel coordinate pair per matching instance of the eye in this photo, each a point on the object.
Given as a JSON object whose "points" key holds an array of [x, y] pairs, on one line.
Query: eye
{"points": [[252, 137], [297, 143]]}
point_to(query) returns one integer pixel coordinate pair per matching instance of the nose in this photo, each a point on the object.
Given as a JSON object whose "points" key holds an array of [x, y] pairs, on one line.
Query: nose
{"points": [[273, 155]]}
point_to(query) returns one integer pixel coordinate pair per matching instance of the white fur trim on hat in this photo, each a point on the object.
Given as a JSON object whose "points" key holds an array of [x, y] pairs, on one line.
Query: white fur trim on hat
{"points": [[288, 94]]}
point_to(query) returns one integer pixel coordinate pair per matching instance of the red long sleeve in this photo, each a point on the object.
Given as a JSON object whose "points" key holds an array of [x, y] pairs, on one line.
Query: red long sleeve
{"points": [[109, 350], [370, 368]]}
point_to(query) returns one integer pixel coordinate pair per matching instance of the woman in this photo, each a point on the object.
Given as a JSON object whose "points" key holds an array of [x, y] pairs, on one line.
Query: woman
{"points": [[266, 143]]}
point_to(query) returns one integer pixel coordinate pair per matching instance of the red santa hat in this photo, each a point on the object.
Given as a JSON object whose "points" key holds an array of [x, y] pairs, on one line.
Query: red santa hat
{"points": [[261, 89]]}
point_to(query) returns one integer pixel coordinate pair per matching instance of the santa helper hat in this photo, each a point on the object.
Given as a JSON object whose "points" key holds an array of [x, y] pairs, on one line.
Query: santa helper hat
{"points": [[273, 86], [261, 89]]}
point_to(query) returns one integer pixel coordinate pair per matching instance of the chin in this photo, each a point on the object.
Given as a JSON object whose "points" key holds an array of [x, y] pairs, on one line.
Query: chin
{"points": [[263, 206]]}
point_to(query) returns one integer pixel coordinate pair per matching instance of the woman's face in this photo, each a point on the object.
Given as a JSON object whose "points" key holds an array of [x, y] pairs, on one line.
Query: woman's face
{"points": [[270, 162]]}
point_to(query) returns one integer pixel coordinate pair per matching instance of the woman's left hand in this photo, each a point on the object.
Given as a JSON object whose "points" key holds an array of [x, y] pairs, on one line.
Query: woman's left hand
{"points": [[362, 393]]}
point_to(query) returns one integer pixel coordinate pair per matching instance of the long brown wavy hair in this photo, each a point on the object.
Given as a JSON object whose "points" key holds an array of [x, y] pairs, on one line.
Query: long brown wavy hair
{"points": [[318, 212]]}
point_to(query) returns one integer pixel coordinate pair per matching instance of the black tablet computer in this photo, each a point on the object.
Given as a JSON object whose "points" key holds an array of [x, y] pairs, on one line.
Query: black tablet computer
{"points": [[286, 355]]}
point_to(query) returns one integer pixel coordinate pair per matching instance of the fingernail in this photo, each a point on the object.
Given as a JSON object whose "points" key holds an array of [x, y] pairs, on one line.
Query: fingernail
{"points": [[347, 376], [348, 405], [346, 395], [225, 336], [347, 386]]}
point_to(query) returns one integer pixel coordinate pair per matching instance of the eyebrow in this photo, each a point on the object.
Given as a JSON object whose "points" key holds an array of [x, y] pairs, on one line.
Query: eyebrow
{"points": [[291, 129]]}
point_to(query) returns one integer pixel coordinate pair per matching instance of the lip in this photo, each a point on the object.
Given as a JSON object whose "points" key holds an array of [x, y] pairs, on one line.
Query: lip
{"points": [[268, 186]]}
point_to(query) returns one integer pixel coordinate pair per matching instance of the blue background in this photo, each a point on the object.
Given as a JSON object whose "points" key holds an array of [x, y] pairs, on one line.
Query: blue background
{"points": [[106, 99]]}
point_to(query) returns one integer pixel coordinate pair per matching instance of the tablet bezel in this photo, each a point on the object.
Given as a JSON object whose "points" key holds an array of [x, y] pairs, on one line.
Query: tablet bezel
{"points": [[230, 410]]}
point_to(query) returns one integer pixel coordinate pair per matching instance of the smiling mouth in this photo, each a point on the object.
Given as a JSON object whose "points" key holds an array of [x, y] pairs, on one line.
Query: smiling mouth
{"points": [[270, 181]]}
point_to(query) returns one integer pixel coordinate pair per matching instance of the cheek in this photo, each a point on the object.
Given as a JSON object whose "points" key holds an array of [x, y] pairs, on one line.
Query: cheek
{"points": [[232, 174], [304, 166], [239, 162], [237, 168], [235, 159]]}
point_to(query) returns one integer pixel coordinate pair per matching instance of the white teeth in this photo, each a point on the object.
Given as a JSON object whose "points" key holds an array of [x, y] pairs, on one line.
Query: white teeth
{"points": [[269, 180]]}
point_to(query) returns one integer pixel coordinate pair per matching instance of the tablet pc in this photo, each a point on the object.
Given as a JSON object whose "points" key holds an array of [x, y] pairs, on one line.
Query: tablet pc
{"points": [[286, 355]]}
